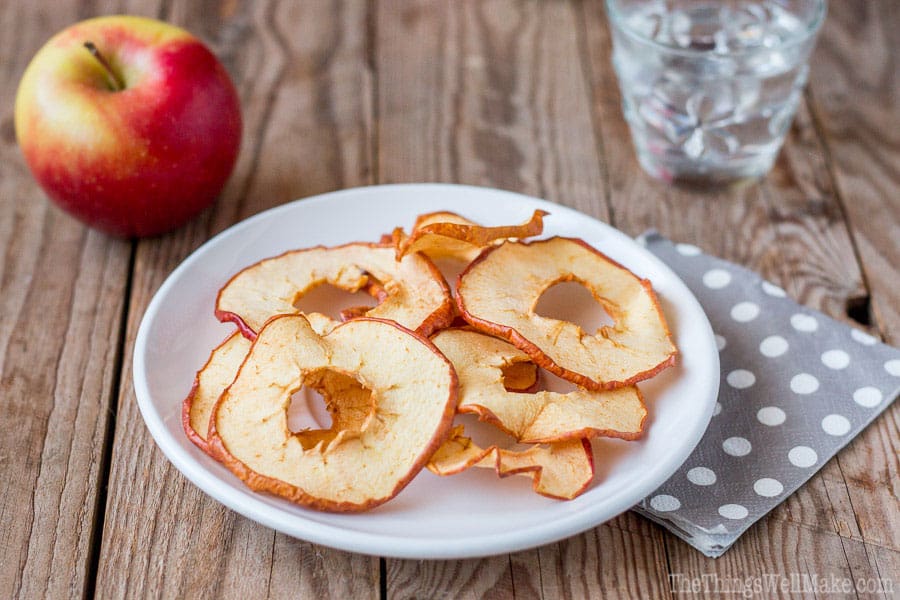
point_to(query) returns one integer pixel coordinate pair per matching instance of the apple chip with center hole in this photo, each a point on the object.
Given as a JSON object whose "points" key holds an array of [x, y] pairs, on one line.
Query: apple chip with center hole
{"points": [[411, 292], [211, 380], [448, 235], [391, 394], [540, 416], [560, 470], [498, 292]]}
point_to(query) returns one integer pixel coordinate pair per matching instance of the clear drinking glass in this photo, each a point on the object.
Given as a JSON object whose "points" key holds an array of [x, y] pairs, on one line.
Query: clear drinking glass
{"points": [[710, 87]]}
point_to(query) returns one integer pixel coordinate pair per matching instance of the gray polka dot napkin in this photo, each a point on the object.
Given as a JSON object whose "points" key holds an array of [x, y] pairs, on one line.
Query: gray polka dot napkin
{"points": [[796, 387]]}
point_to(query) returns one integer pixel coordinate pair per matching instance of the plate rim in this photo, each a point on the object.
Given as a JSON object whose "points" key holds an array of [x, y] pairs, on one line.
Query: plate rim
{"points": [[249, 505]]}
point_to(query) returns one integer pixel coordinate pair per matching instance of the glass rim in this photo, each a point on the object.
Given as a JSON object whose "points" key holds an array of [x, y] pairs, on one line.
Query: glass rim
{"points": [[616, 17]]}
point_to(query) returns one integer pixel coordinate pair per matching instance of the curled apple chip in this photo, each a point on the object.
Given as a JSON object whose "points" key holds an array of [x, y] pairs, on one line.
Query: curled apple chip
{"points": [[445, 234], [211, 380], [498, 292], [410, 292], [561, 470], [541, 416], [391, 394]]}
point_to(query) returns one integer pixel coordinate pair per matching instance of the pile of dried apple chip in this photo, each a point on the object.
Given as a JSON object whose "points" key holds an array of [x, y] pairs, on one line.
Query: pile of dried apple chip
{"points": [[394, 376]]}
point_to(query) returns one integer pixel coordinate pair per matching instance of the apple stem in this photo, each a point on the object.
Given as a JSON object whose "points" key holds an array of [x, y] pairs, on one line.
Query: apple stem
{"points": [[118, 84]]}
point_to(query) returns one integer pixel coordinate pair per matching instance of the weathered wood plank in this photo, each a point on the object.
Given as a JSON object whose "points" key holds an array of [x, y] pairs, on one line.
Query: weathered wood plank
{"points": [[855, 92], [302, 75], [623, 558], [785, 560], [61, 297], [855, 97], [479, 93], [494, 93]]}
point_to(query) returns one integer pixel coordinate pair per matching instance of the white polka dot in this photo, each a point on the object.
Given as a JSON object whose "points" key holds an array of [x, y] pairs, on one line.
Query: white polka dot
{"points": [[687, 249], [733, 511], [768, 487], [835, 359], [771, 416], [836, 425], [736, 446], [701, 476], [804, 323], [804, 383], [893, 367], [716, 279], [745, 311], [664, 503], [773, 290], [867, 396], [717, 409], [740, 379], [720, 342], [862, 337], [773, 346], [802, 456]]}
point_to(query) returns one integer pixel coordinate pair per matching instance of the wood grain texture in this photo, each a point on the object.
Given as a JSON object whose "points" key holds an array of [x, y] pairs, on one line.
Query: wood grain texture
{"points": [[474, 92], [301, 73], [62, 297], [855, 91], [855, 100]]}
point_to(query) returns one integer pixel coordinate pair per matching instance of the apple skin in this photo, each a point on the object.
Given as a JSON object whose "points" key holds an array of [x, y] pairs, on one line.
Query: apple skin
{"points": [[138, 161]]}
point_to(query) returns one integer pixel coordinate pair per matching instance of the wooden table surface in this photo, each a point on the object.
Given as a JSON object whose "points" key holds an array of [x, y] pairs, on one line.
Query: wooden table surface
{"points": [[518, 95]]}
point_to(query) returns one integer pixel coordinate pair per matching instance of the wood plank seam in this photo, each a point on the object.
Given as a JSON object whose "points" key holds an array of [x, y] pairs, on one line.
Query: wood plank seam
{"points": [[268, 106], [849, 565], [371, 58], [106, 456], [371, 62], [809, 100], [584, 55]]}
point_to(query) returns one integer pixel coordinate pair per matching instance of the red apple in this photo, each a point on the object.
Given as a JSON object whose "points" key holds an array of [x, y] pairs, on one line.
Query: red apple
{"points": [[130, 124]]}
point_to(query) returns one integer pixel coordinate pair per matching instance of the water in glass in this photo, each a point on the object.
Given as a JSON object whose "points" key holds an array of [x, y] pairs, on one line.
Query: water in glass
{"points": [[710, 88]]}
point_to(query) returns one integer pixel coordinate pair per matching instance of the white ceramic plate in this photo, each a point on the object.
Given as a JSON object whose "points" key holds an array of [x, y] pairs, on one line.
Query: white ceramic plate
{"points": [[467, 515]]}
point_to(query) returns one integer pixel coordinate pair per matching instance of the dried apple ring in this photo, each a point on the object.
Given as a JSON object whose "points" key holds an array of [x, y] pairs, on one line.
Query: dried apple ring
{"points": [[211, 380], [541, 416], [561, 470], [411, 292], [396, 408], [498, 293], [446, 234], [217, 374]]}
